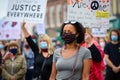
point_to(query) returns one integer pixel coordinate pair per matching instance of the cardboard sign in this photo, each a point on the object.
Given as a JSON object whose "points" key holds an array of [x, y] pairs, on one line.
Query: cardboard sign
{"points": [[10, 30], [27, 10], [40, 28], [91, 13]]}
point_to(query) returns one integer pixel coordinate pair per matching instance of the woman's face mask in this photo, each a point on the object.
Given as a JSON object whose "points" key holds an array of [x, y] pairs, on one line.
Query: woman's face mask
{"points": [[43, 45], [27, 46], [68, 37], [102, 44], [13, 51], [34, 40], [1, 46], [114, 38]]}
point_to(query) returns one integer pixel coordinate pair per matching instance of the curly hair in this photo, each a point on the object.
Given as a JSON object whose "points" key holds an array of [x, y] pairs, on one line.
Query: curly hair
{"points": [[79, 29], [116, 31]]}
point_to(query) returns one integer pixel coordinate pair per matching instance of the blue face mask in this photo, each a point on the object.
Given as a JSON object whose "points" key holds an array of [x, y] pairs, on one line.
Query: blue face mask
{"points": [[43, 45], [1, 46], [13, 51], [34, 40], [114, 38]]}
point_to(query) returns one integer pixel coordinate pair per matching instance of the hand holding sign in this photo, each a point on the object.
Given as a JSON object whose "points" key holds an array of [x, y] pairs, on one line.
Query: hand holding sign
{"points": [[26, 34], [23, 25]]}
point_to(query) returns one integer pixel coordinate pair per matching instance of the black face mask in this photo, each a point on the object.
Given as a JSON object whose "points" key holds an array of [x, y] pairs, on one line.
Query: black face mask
{"points": [[68, 37], [27, 46], [13, 51], [44, 50]]}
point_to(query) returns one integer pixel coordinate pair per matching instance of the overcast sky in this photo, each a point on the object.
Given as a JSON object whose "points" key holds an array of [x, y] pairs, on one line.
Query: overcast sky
{"points": [[3, 8]]}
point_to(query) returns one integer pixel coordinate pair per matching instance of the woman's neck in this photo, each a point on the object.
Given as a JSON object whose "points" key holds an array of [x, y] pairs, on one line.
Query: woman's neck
{"points": [[46, 54], [71, 46], [114, 42]]}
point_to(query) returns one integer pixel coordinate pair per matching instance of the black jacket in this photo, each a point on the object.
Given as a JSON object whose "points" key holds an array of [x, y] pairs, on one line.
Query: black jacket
{"points": [[39, 59]]}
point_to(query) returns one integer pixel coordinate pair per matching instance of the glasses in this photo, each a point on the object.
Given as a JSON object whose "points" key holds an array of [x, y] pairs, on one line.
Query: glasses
{"points": [[71, 22]]}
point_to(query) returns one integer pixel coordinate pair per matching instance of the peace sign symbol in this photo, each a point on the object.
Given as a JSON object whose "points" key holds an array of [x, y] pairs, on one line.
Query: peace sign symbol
{"points": [[94, 5]]}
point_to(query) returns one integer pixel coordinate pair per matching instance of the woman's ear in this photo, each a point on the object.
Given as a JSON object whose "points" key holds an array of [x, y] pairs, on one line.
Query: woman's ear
{"points": [[77, 34]]}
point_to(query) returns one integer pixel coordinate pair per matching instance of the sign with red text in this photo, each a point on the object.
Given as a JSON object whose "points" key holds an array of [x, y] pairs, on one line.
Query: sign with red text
{"points": [[91, 13], [10, 30], [27, 10]]}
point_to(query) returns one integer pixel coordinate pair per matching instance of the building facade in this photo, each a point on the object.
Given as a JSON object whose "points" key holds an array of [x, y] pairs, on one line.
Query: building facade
{"points": [[115, 14], [55, 15]]}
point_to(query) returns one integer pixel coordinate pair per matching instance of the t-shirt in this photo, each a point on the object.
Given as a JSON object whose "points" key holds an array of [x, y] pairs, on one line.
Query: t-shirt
{"points": [[113, 50], [65, 66]]}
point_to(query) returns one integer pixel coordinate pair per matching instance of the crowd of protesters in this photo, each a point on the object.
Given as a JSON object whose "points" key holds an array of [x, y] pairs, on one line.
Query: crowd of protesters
{"points": [[81, 57]]}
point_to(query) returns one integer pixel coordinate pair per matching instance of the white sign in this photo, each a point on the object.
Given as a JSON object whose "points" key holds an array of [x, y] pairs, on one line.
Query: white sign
{"points": [[99, 32], [40, 28], [91, 13], [10, 30], [27, 10]]}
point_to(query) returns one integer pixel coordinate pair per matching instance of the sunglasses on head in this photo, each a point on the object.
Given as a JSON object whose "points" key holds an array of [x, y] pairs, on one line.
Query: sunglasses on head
{"points": [[71, 22]]}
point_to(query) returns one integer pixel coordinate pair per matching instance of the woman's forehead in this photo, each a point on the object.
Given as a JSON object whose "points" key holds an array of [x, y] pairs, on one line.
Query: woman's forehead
{"points": [[113, 32], [69, 27], [13, 46], [42, 40]]}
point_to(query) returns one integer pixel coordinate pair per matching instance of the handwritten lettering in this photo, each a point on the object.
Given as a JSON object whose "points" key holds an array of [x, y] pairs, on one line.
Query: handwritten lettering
{"points": [[80, 4]]}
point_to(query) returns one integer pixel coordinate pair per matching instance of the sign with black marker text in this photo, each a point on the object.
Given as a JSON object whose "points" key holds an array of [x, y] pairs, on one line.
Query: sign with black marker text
{"points": [[91, 13], [27, 10]]}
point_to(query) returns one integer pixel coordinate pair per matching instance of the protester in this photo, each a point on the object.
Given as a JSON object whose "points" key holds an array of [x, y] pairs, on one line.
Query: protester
{"points": [[43, 54], [102, 42], [112, 56], [0, 65], [29, 56], [58, 44], [2, 50], [14, 67], [71, 62], [96, 72]]}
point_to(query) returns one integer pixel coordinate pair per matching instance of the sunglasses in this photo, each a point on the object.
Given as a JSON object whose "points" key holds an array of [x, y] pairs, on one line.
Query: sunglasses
{"points": [[71, 22]]}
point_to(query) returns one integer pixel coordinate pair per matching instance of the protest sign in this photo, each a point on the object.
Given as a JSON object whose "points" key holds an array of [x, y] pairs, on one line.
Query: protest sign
{"points": [[91, 13], [10, 30], [40, 28], [27, 10]]}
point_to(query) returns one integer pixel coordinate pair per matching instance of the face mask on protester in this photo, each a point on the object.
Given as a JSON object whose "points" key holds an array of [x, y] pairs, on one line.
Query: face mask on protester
{"points": [[13, 51], [1, 46], [34, 40], [102, 44], [43, 45], [114, 38], [27, 46], [68, 37]]}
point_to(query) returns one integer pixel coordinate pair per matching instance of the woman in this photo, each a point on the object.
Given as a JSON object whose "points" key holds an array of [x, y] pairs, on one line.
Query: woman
{"points": [[102, 42], [71, 62], [0, 66], [29, 56], [14, 67], [2, 52], [2, 48], [43, 54], [96, 72], [112, 56]]}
